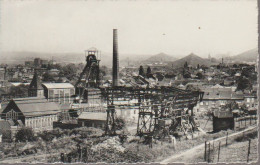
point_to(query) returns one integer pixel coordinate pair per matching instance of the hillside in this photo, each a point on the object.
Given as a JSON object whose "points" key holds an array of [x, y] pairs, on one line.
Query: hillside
{"points": [[248, 56], [191, 59], [161, 57], [14, 58]]}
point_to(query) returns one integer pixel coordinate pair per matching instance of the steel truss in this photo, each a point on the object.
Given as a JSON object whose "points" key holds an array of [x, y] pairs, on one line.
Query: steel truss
{"points": [[89, 77], [155, 105]]}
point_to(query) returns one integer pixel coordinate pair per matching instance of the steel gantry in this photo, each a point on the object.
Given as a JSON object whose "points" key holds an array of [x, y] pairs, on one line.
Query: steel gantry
{"points": [[161, 109]]}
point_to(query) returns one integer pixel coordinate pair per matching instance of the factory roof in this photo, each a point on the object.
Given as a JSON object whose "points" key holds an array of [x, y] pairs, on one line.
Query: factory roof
{"points": [[57, 85], [92, 116], [32, 107]]}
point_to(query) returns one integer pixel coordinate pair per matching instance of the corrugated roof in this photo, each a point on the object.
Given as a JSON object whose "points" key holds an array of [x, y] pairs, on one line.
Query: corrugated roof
{"points": [[28, 100], [38, 109], [92, 116], [58, 85], [32, 107]]}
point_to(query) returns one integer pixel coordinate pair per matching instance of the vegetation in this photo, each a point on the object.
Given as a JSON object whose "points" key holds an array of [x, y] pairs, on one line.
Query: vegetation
{"points": [[120, 123], [243, 83], [149, 72], [25, 134], [19, 91], [141, 71], [199, 75], [47, 77]]}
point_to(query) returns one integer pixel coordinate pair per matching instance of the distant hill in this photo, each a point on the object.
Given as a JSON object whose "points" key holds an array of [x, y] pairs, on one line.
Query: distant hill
{"points": [[248, 56], [161, 57], [192, 60], [14, 58]]}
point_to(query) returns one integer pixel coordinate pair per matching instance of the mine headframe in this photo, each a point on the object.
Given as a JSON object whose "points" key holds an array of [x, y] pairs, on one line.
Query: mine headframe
{"points": [[89, 77], [155, 106]]}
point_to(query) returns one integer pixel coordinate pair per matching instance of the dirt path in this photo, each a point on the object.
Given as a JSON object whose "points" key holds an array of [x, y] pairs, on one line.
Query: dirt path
{"points": [[31, 157], [198, 150]]}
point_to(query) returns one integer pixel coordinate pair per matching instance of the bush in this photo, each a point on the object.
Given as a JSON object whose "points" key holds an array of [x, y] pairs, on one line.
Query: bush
{"points": [[50, 135], [7, 135], [120, 123], [25, 134]]}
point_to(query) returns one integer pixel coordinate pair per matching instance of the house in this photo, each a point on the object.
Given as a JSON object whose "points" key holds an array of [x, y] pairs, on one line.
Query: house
{"points": [[33, 112], [92, 119], [251, 101], [215, 97], [59, 92]]}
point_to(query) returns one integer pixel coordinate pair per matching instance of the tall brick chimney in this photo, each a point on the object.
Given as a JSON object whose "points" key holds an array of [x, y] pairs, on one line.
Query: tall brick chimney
{"points": [[115, 59]]}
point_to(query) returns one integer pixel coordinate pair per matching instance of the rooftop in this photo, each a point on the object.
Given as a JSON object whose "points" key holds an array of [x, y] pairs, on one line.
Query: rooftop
{"points": [[57, 85], [35, 107], [92, 116]]}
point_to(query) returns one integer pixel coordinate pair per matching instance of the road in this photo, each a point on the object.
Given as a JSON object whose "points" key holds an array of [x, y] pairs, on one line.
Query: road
{"points": [[199, 149]]}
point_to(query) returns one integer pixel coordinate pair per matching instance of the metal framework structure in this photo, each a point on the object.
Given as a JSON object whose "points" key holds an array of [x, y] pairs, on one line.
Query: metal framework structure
{"points": [[89, 77], [157, 107]]}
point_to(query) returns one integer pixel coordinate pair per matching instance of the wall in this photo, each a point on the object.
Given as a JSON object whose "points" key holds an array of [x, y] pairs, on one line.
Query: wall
{"points": [[92, 123], [41, 123], [222, 123], [60, 95]]}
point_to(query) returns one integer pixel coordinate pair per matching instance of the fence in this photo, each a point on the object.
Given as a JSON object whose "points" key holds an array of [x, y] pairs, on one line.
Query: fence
{"points": [[236, 148], [242, 122]]}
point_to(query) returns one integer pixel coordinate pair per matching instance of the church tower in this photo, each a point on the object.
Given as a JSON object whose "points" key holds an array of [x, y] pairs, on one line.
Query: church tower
{"points": [[35, 88]]}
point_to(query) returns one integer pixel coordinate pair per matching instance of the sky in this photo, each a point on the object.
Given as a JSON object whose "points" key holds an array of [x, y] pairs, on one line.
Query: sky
{"points": [[144, 27]]}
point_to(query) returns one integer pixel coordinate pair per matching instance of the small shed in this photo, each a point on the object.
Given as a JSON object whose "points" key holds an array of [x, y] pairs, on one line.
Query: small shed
{"points": [[92, 119], [223, 120]]}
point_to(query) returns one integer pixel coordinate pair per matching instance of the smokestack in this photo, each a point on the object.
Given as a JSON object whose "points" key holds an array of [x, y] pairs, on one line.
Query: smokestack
{"points": [[115, 59]]}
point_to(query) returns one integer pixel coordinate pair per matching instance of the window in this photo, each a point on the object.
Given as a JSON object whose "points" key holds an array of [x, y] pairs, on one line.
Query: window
{"points": [[12, 115]]}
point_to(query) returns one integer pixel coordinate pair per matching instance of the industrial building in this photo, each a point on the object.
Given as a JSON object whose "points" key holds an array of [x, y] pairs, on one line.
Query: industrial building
{"points": [[59, 92], [33, 112]]}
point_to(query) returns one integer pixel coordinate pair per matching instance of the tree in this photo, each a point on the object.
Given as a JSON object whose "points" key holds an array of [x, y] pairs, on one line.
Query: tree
{"points": [[186, 74], [25, 134], [69, 71], [47, 77], [7, 135], [199, 75], [231, 105], [243, 83], [19, 91], [141, 71], [198, 66], [149, 72], [186, 64], [120, 123]]}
